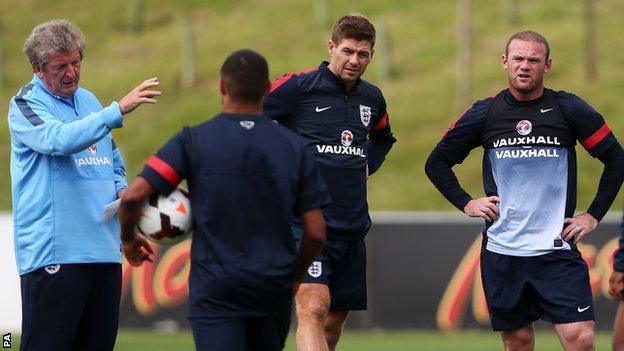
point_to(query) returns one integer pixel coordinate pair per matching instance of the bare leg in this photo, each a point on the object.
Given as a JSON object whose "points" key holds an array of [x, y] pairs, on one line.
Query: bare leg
{"points": [[577, 336], [618, 328], [522, 339], [333, 327], [312, 302]]}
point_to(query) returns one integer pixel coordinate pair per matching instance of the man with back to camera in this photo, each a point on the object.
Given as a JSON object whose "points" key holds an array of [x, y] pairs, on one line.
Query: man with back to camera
{"points": [[345, 119], [65, 167], [531, 267], [246, 177]]}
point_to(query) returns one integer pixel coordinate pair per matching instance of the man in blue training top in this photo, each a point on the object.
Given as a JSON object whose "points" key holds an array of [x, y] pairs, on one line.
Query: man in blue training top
{"points": [[65, 168], [530, 266], [346, 121], [247, 176]]}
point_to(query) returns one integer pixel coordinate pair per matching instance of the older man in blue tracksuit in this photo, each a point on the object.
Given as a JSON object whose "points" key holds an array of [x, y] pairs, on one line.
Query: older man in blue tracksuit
{"points": [[65, 167]]}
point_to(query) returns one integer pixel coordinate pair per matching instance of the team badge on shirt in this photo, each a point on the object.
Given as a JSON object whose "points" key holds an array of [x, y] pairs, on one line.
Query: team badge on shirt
{"points": [[365, 115], [53, 268], [316, 269], [92, 149], [346, 138], [524, 127], [247, 124]]}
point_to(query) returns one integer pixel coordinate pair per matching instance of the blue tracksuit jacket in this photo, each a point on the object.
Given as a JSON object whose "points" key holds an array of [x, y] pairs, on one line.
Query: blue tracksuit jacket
{"points": [[65, 168]]}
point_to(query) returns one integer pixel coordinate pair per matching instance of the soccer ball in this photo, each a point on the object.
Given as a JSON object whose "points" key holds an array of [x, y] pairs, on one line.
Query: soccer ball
{"points": [[167, 220]]}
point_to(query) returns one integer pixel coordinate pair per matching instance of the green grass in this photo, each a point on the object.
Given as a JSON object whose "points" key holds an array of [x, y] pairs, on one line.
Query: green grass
{"points": [[421, 95], [407, 340]]}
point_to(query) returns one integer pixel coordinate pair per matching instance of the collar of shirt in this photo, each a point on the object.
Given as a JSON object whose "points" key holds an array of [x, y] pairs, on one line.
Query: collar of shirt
{"points": [[510, 99], [334, 79], [42, 85]]}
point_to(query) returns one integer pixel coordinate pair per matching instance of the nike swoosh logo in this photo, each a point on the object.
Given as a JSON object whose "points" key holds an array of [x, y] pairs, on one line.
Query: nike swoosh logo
{"points": [[582, 309], [318, 109], [546, 110]]}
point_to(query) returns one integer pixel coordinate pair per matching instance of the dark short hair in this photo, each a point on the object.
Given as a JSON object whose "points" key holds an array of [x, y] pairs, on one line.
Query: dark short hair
{"points": [[246, 75], [353, 26], [528, 35]]}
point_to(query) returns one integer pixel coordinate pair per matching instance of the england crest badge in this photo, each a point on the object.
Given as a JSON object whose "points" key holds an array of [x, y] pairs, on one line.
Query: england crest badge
{"points": [[315, 270], [365, 115]]}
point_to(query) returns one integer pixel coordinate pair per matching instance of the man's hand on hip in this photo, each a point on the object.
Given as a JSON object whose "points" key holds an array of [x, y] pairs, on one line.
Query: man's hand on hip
{"points": [[575, 228], [484, 207]]}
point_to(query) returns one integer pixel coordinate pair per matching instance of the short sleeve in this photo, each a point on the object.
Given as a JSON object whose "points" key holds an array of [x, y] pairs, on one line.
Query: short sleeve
{"points": [[283, 99], [464, 134], [166, 169]]}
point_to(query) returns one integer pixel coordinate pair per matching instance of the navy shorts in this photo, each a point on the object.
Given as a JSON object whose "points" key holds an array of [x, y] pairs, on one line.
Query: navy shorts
{"points": [[239, 334], [520, 290], [71, 307], [342, 267]]}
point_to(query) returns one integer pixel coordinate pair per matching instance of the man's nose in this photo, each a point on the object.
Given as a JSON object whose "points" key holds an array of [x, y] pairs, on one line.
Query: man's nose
{"points": [[71, 72], [353, 59]]}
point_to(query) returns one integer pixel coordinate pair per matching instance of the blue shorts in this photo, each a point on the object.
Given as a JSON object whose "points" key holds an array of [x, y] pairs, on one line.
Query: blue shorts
{"points": [[342, 267], [520, 290], [68, 306], [239, 333]]}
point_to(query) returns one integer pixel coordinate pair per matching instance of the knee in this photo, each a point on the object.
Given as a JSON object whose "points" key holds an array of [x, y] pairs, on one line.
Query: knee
{"points": [[522, 339], [314, 309], [582, 339]]}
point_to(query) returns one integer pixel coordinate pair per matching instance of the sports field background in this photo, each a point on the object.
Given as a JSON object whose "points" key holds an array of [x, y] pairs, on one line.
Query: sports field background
{"points": [[407, 340], [421, 95]]}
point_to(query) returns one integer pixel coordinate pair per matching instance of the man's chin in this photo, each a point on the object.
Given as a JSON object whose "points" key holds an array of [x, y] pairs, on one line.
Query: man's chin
{"points": [[66, 93], [349, 78], [526, 89]]}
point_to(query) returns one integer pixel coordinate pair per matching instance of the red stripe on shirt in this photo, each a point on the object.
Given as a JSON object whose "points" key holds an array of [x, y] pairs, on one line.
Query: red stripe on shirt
{"points": [[161, 167], [383, 122], [456, 120], [286, 77], [597, 137]]}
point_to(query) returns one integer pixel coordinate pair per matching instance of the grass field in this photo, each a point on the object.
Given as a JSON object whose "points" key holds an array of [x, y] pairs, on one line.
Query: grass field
{"points": [[408, 340], [421, 94]]}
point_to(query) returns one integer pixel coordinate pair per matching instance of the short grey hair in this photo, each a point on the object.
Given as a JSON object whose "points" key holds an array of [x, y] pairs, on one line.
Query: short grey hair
{"points": [[52, 37]]}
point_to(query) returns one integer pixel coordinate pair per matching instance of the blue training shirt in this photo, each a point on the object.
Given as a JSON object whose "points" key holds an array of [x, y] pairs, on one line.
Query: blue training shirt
{"points": [[349, 131], [529, 162], [65, 167], [246, 176]]}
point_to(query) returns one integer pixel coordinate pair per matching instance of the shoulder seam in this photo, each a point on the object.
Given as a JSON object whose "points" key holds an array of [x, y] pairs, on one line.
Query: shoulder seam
{"points": [[24, 108], [286, 77]]}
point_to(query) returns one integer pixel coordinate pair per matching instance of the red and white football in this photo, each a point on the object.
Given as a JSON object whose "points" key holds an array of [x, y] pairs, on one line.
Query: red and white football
{"points": [[167, 220]]}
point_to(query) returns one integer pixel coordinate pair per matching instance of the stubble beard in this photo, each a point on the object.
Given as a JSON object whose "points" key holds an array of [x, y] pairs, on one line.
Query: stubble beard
{"points": [[522, 88]]}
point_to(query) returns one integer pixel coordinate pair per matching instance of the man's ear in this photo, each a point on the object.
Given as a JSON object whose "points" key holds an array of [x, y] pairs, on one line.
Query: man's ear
{"points": [[504, 61], [331, 46], [548, 65], [38, 70], [222, 86]]}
